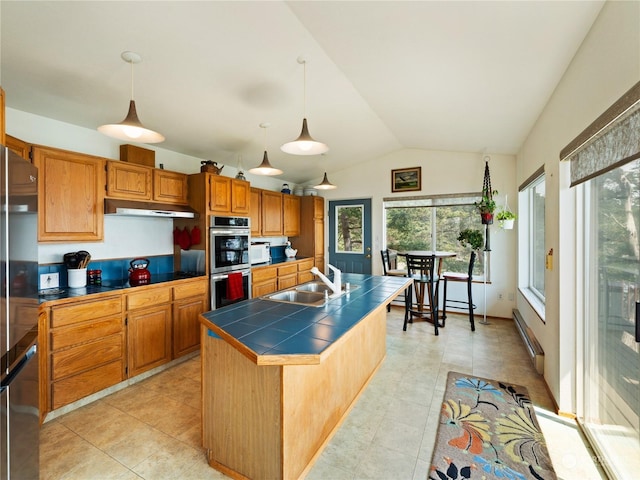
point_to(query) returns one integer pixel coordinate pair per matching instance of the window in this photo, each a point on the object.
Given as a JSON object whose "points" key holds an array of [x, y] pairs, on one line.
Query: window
{"points": [[433, 223], [532, 241]]}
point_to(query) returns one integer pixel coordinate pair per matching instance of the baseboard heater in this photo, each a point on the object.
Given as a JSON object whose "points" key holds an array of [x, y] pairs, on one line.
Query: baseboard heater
{"points": [[533, 347]]}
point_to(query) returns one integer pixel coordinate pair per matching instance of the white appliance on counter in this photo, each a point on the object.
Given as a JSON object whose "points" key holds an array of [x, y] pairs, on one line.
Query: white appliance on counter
{"points": [[260, 253]]}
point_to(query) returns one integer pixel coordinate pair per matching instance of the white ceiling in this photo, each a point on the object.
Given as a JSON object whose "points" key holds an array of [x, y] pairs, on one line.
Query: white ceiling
{"points": [[467, 76]]}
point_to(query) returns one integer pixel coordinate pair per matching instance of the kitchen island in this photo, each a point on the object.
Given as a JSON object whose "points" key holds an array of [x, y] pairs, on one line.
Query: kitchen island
{"points": [[278, 379]]}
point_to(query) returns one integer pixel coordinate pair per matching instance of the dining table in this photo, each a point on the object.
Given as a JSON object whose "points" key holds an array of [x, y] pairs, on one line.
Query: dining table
{"points": [[440, 256]]}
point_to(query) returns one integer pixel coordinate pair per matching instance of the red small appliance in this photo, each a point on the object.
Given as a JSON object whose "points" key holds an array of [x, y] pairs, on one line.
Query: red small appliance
{"points": [[138, 273]]}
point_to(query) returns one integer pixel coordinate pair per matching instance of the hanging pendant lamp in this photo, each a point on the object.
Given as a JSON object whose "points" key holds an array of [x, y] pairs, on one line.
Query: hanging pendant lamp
{"points": [[326, 184], [265, 167], [131, 128], [304, 144]]}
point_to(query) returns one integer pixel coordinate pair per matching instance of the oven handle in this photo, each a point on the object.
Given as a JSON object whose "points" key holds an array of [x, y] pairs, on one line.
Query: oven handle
{"points": [[215, 231], [222, 276]]}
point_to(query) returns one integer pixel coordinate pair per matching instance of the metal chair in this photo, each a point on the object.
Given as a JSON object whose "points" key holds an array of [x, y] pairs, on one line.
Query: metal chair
{"points": [[389, 266], [422, 270], [460, 277]]}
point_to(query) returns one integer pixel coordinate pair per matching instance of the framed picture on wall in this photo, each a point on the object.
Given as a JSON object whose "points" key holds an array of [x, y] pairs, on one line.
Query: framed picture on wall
{"points": [[406, 179]]}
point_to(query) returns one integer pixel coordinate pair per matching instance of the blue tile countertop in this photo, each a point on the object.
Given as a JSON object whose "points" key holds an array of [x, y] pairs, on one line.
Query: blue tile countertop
{"points": [[268, 332]]}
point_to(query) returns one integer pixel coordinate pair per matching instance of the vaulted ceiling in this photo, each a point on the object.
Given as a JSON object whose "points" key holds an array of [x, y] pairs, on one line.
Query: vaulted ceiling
{"points": [[467, 76]]}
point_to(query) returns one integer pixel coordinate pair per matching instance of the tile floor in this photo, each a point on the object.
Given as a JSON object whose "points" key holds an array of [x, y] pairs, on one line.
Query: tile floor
{"points": [[151, 430]]}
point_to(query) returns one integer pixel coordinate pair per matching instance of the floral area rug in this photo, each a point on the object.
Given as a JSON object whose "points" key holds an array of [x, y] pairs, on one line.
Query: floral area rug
{"points": [[488, 429]]}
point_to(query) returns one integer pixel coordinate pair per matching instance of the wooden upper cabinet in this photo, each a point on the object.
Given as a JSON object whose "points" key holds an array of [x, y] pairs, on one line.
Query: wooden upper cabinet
{"points": [[291, 215], [271, 213], [169, 187], [240, 196], [127, 180], [21, 147], [255, 210], [219, 194], [70, 195]]}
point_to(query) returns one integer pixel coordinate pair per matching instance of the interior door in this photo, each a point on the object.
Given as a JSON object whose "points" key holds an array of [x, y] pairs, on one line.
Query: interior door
{"points": [[350, 235]]}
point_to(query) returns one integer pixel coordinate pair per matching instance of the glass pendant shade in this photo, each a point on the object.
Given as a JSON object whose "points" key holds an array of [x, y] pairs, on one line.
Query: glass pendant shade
{"points": [[265, 167], [304, 144], [131, 128], [326, 184]]}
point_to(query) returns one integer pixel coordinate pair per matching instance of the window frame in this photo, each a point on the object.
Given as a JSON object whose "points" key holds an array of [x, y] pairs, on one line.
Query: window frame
{"points": [[527, 231]]}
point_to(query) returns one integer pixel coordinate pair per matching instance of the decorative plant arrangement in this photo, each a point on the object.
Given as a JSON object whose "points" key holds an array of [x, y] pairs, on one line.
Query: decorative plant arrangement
{"points": [[486, 206], [472, 237], [506, 218]]}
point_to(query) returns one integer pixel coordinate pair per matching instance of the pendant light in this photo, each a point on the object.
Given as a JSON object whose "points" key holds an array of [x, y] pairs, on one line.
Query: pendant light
{"points": [[131, 129], [304, 144], [326, 184], [265, 167]]}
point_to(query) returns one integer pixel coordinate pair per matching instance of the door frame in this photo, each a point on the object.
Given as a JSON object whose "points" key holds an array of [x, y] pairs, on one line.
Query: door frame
{"points": [[351, 262]]}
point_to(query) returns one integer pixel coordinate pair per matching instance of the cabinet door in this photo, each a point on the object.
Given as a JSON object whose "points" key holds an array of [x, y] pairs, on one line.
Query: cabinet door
{"points": [[70, 195], [291, 215], [219, 194], [186, 325], [240, 198], [149, 337], [169, 187], [271, 213], [127, 180], [255, 212]]}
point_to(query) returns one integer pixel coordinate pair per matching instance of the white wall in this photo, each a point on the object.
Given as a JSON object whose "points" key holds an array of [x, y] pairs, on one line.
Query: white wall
{"points": [[605, 67], [442, 173], [124, 237]]}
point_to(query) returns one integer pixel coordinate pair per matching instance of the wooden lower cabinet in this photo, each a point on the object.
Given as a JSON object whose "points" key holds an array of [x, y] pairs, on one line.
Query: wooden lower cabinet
{"points": [[85, 350], [287, 276], [189, 302], [149, 319], [271, 278], [89, 345]]}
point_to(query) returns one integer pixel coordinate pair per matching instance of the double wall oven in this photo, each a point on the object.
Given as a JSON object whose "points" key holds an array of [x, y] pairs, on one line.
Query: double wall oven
{"points": [[230, 264]]}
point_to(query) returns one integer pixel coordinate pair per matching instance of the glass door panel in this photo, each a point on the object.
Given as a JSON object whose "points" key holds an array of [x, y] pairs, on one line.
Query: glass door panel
{"points": [[611, 397]]}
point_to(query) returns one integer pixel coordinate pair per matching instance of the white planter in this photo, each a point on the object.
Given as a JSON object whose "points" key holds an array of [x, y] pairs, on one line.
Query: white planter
{"points": [[507, 224]]}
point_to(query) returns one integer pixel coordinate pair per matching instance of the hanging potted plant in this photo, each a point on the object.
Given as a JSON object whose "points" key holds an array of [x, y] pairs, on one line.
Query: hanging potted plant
{"points": [[505, 219], [486, 206], [472, 237]]}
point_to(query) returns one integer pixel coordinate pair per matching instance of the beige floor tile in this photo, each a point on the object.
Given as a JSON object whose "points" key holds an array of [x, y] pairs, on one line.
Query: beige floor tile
{"points": [[151, 431]]}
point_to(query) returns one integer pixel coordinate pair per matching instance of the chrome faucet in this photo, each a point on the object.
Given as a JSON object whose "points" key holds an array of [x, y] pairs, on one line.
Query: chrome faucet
{"points": [[336, 285]]}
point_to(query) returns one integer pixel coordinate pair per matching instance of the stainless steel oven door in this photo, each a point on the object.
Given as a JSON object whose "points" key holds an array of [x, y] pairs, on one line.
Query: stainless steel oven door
{"points": [[229, 249], [223, 292]]}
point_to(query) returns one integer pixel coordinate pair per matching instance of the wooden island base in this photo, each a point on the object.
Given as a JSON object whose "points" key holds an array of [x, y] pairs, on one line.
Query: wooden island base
{"points": [[272, 421]]}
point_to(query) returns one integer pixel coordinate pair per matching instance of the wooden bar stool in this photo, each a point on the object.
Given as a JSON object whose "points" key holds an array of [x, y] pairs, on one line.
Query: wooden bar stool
{"points": [[422, 270], [460, 277], [390, 267]]}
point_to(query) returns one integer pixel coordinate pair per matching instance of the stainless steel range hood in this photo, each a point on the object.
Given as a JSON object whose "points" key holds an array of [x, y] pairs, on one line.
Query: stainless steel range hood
{"points": [[147, 209]]}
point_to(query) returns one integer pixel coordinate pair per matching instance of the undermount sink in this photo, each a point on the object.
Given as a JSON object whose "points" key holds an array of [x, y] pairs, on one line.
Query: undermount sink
{"points": [[311, 294], [320, 287], [310, 299]]}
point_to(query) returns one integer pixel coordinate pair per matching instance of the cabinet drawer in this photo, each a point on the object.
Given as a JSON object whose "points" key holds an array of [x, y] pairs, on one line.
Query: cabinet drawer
{"points": [[305, 265], [84, 357], [92, 381], [287, 269], [68, 315], [67, 336], [148, 298], [304, 277], [263, 274], [190, 290], [287, 281]]}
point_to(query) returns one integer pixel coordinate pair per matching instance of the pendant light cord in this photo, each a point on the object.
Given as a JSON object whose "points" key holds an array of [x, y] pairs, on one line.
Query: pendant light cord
{"points": [[131, 63], [304, 89]]}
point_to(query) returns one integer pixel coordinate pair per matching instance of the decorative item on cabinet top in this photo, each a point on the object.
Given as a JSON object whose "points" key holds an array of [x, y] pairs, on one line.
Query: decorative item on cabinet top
{"points": [[209, 166]]}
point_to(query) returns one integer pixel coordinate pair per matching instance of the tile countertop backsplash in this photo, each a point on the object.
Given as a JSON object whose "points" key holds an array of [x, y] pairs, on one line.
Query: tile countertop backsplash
{"points": [[115, 270]]}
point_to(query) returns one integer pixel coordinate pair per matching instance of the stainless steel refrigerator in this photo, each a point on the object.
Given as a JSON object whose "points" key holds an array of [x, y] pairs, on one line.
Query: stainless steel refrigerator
{"points": [[19, 410]]}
